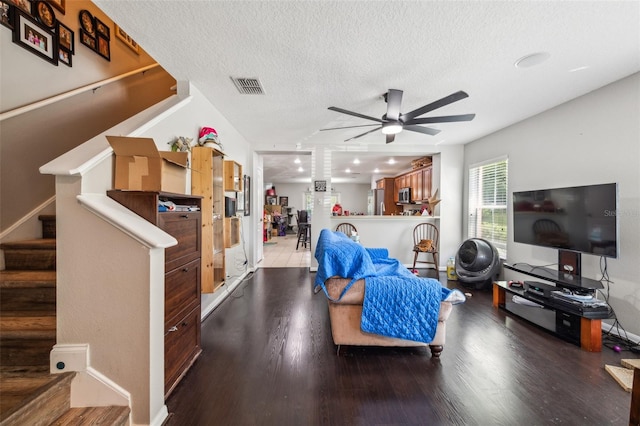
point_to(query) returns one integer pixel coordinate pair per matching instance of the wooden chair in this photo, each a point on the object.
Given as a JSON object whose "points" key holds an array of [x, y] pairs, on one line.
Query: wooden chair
{"points": [[346, 228], [422, 232]]}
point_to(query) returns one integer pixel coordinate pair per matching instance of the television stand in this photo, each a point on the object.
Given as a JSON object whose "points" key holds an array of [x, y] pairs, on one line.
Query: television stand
{"points": [[582, 327]]}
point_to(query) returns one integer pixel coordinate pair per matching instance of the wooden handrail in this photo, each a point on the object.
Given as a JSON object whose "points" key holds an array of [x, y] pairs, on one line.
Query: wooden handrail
{"points": [[93, 86]]}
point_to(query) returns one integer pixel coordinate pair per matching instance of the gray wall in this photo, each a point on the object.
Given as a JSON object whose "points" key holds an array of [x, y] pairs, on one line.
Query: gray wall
{"points": [[590, 140]]}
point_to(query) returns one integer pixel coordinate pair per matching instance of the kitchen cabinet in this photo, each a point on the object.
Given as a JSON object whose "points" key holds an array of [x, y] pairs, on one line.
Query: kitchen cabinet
{"points": [[426, 182], [416, 186], [181, 275], [232, 176], [207, 172]]}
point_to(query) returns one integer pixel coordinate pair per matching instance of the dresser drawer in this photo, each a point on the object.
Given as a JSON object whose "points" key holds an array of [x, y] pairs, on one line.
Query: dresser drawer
{"points": [[181, 348], [184, 227], [181, 291]]}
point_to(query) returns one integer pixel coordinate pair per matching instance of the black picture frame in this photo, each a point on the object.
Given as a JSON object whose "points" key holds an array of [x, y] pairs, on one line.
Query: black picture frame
{"points": [[66, 38], [34, 37], [44, 13], [246, 187], [102, 29], [88, 40], [61, 5], [284, 201], [6, 14], [23, 5], [65, 57], [103, 47], [87, 22], [320, 185]]}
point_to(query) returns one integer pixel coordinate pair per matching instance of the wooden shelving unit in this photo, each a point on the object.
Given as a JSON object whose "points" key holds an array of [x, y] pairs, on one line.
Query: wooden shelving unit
{"points": [[207, 174]]}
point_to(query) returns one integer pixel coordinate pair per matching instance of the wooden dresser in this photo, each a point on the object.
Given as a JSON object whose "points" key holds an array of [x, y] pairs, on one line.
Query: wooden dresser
{"points": [[182, 276]]}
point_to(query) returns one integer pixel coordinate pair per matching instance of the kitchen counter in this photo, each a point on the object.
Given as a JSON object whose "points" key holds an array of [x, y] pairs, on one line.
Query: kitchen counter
{"points": [[379, 217], [392, 232]]}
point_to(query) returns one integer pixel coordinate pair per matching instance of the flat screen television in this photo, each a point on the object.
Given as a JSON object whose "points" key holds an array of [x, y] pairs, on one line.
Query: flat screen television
{"points": [[580, 218]]}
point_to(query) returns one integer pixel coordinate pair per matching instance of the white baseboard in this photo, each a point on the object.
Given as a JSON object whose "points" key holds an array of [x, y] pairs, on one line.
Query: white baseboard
{"points": [[89, 388], [226, 291]]}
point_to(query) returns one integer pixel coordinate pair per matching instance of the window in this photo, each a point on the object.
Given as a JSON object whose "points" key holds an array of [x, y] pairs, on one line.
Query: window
{"points": [[488, 204]]}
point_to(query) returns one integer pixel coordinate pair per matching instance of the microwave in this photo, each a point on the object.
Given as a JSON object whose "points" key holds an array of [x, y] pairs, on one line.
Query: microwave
{"points": [[404, 196]]}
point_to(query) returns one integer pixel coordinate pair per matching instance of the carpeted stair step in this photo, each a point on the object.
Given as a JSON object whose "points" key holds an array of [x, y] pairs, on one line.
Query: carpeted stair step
{"points": [[48, 225], [36, 399], [36, 254], [28, 291]]}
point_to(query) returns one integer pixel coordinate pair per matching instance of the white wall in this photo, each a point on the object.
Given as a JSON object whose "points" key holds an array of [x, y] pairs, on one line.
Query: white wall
{"points": [[126, 334], [590, 140]]}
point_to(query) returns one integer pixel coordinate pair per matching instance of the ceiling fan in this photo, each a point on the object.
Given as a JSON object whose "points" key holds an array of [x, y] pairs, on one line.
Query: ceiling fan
{"points": [[393, 122]]}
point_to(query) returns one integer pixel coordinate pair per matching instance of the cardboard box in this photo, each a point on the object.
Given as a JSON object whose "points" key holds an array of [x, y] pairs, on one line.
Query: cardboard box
{"points": [[141, 167]]}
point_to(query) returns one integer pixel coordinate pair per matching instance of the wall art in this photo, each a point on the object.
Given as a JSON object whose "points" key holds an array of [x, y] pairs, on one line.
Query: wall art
{"points": [[6, 13], [87, 23], [44, 14], [64, 56], [88, 40], [34, 37], [124, 37], [58, 4], [65, 38], [102, 29], [104, 49], [21, 4]]}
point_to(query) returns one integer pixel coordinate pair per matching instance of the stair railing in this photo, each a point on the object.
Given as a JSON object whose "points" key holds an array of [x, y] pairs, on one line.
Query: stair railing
{"points": [[93, 86]]}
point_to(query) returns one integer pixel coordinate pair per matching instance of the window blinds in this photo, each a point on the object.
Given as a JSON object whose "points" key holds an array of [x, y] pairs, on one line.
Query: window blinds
{"points": [[488, 204]]}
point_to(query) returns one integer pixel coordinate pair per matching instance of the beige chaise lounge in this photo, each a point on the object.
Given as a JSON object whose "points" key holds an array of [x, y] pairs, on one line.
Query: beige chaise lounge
{"points": [[345, 319]]}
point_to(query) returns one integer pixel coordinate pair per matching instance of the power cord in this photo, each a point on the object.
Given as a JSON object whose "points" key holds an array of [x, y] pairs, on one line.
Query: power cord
{"points": [[619, 339]]}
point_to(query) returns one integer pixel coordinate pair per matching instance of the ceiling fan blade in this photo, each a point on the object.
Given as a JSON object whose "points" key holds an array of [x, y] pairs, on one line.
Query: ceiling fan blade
{"points": [[355, 114], [420, 129], [434, 105], [391, 138], [394, 99], [365, 133], [443, 119], [349, 127]]}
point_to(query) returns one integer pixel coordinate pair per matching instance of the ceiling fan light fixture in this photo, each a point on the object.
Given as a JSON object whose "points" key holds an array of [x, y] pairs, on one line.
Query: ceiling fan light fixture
{"points": [[391, 128]]}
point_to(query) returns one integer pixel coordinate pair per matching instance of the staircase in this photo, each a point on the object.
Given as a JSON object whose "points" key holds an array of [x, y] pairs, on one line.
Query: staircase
{"points": [[29, 395]]}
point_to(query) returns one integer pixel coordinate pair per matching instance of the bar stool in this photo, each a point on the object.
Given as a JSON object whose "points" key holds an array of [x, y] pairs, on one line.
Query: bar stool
{"points": [[304, 229]]}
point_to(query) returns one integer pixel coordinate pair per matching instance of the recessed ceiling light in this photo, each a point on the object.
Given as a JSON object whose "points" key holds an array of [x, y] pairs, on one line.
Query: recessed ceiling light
{"points": [[377, 170], [356, 161], [347, 170], [297, 161], [532, 60], [300, 169], [392, 161]]}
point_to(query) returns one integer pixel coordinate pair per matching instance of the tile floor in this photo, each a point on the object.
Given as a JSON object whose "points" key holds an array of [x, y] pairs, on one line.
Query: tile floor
{"points": [[283, 253]]}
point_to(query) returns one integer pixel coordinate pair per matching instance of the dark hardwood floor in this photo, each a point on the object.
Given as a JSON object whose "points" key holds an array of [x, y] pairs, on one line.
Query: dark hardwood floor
{"points": [[268, 359]]}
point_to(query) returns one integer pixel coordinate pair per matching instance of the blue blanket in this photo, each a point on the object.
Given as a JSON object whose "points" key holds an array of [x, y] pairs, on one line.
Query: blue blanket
{"points": [[396, 302]]}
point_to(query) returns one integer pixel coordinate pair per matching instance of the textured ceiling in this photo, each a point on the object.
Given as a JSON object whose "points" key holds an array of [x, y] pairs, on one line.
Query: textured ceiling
{"points": [[312, 55]]}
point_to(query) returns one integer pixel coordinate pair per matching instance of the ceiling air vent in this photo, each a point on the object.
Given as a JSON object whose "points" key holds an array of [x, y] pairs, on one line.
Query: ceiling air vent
{"points": [[248, 86]]}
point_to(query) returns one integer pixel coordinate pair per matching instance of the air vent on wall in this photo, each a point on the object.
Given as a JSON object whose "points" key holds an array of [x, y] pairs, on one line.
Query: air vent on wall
{"points": [[248, 86]]}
